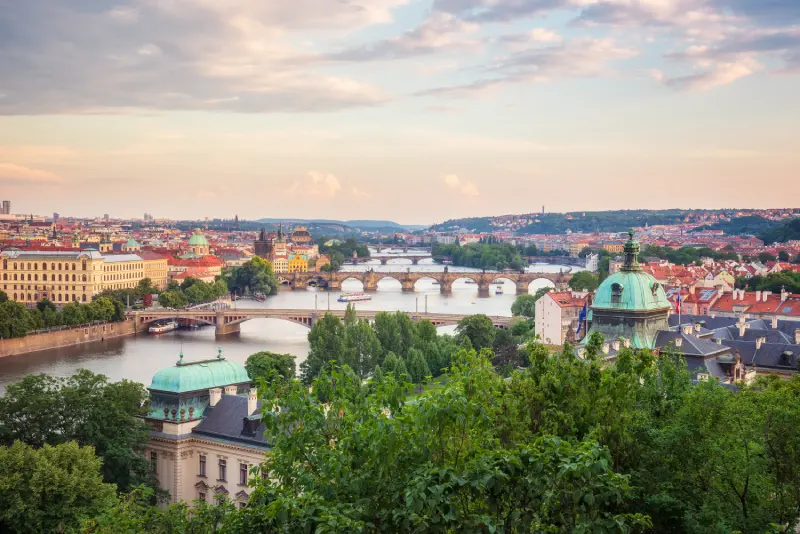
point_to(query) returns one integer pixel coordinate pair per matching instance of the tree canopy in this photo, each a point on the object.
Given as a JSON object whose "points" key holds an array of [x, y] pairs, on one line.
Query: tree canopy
{"points": [[254, 276], [270, 367]]}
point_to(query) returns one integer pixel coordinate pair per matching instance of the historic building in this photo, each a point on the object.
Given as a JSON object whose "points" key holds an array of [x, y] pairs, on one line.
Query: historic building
{"points": [[263, 245], [29, 276], [297, 263], [630, 303], [557, 316], [206, 430], [198, 246], [131, 246], [301, 236]]}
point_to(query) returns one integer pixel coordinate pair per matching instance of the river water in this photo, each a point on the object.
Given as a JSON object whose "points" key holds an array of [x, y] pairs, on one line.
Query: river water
{"points": [[140, 357]]}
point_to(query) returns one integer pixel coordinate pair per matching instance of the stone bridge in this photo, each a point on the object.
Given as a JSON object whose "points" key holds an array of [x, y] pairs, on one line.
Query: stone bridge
{"points": [[228, 321], [408, 279], [385, 259]]}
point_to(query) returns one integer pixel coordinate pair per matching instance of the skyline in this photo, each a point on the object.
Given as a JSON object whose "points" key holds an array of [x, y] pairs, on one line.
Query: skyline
{"points": [[403, 110]]}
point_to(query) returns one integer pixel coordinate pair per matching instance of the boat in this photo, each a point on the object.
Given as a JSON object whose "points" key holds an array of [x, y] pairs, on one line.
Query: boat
{"points": [[353, 297], [434, 283], [498, 290], [469, 281], [163, 326]]}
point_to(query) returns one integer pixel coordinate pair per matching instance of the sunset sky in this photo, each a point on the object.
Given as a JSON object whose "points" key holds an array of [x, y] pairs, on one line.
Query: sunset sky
{"points": [[397, 109]]}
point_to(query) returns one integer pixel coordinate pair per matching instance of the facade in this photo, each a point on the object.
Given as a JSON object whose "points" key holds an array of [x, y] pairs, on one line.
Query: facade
{"points": [[263, 245], [206, 430], [156, 268], [198, 244], [280, 265], [557, 315], [630, 304], [301, 236], [298, 263], [72, 276], [131, 246], [321, 262]]}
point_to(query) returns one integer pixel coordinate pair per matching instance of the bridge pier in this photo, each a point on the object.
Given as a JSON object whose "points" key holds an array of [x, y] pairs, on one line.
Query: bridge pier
{"points": [[522, 288], [445, 287], [483, 290], [384, 261], [222, 327]]}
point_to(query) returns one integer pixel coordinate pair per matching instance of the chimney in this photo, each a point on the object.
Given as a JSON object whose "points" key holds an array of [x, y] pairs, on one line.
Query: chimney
{"points": [[252, 401], [214, 395], [758, 296], [760, 341], [766, 295], [784, 294], [615, 344], [774, 321], [697, 327], [678, 342], [606, 347], [686, 329], [231, 390]]}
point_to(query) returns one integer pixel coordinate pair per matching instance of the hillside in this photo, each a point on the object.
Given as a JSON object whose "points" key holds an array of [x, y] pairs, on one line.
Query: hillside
{"points": [[749, 225], [789, 231]]}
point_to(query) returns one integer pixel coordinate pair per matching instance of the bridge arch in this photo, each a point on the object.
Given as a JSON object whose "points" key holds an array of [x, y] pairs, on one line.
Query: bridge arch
{"points": [[431, 283], [351, 280], [538, 283]]}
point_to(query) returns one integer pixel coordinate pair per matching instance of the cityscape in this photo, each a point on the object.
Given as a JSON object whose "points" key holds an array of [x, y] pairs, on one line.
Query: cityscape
{"points": [[400, 266]]}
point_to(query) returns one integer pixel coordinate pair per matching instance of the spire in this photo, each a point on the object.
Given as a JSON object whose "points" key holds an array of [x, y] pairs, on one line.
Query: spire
{"points": [[263, 235], [219, 354], [631, 254]]}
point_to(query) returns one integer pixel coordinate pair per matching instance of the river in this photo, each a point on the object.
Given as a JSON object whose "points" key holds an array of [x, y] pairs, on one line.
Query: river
{"points": [[139, 357]]}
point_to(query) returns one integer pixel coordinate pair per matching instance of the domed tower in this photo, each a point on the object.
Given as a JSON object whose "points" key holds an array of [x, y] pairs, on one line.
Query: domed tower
{"points": [[198, 244], [630, 304]]}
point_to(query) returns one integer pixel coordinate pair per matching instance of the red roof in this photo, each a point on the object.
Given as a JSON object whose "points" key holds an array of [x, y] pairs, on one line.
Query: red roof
{"points": [[566, 299]]}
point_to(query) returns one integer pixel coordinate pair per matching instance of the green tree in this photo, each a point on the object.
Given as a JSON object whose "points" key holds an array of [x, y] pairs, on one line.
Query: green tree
{"points": [[254, 276], [270, 366], [478, 329], [173, 299], [74, 314], [85, 408], [145, 287], [15, 321], [3, 297], [362, 350], [783, 255], [525, 305], [50, 489], [45, 304], [417, 366], [388, 332], [326, 344], [765, 257], [101, 309], [584, 281]]}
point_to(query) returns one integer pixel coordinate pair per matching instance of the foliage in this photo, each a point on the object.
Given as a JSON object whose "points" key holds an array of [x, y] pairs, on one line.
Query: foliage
{"points": [[3, 297], [50, 489], [15, 320], [270, 367], [788, 231], [525, 305], [686, 255], [253, 276], [343, 251], [174, 299], [765, 257], [774, 282], [478, 329], [584, 281], [482, 255], [192, 291], [749, 224], [326, 343], [86, 408]]}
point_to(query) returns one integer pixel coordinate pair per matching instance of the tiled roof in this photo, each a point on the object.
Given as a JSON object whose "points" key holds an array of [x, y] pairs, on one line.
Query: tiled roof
{"points": [[226, 421]]}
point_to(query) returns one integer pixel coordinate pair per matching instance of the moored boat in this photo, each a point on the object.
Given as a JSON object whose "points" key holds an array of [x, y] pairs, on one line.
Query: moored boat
{"points": [[353, 297], [161, 327]]}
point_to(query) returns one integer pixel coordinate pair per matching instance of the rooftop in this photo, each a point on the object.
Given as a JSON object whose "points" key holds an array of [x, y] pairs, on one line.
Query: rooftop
{"points": [[199, 375]]}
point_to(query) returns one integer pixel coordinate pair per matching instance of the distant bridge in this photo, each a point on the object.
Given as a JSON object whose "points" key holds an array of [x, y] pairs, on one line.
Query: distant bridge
{"points": [[228, 321], [407, 279], [385, 259], [556, 260]]}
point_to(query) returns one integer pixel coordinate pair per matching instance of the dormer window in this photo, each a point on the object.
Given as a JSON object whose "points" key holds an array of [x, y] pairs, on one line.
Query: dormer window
{"points": [[654, 288], [616, 293]]}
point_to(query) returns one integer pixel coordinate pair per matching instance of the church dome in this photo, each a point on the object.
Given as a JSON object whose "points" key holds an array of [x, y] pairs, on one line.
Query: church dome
{"points": [[630, 289], [198, 239], [131, 243], [201, 375]]}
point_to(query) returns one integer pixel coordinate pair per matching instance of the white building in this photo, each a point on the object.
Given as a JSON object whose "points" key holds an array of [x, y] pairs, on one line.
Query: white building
{"points": [[557, 316]]}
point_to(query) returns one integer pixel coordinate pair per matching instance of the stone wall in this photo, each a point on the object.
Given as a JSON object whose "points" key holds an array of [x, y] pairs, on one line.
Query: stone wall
{"points": [[65, 338]]}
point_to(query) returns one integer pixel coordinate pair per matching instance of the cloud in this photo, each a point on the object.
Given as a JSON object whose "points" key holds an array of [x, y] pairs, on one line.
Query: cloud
{"points": [[323, 185], [360, 193], [176, 55], [717, 75], [441, 32], [17, 174], [498, 10], [468, 189]]}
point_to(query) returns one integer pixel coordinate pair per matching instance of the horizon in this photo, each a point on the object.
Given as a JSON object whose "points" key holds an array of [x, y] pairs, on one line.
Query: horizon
{"points": [[397, 109]]}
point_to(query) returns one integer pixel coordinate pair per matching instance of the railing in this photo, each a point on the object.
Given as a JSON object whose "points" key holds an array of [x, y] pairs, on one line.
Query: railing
{"points": [[68, 327]]}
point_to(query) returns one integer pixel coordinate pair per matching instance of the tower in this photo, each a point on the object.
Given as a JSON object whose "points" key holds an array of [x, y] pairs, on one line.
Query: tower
{"points": [[263, 245]]}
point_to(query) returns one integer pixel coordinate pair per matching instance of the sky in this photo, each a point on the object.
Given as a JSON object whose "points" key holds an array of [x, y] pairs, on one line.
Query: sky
{"points": [[413, 111]]}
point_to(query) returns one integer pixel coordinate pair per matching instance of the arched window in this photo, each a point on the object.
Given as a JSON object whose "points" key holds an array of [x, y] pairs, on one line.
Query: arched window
{"points": [[35, 266], [616, 293], [52, 266], [84, 265], [73, 266], [29, 296], [15, 265], [83, 298], [73, 278], [44, 278], [59, 297], [15, 276], [5, 264], [44, 266], [59, 277], [29, 277], [29, 266], [36, 277], [84, 277], [59, 266]]}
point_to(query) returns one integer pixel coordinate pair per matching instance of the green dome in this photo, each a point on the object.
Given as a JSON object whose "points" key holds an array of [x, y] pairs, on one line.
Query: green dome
{"points": [[198, 239], [202, 375], [634, 290], [131, 243]]}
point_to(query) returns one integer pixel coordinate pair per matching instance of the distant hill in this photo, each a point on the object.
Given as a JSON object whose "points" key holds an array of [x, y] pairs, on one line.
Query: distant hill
{"points": [[750, 225], [363, 224], [789, 231]]}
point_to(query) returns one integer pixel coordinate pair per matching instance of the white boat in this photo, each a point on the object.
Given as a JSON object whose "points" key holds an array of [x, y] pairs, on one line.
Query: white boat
{"points": [[161, 327], [353, 297], [469, 281], [498, 290]]}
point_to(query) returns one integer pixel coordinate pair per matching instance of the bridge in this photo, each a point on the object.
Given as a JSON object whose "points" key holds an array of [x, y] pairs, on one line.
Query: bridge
{"points": [[228, 321], [405, 248], [369, 279], [556, 260], [385, 258]]}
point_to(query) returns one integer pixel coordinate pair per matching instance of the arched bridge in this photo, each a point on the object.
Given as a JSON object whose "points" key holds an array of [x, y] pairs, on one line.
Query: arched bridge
{"points": [[407, 279], [228, 321], [385, 259]]}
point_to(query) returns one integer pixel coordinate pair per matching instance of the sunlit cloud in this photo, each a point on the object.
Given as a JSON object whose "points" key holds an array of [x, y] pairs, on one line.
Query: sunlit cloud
{"points": [[468, 189], [17, 174], [360, 193]]}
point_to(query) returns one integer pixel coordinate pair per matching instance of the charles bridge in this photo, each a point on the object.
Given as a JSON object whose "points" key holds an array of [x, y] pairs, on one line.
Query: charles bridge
{"points": [[227, 321], [369, 279]]}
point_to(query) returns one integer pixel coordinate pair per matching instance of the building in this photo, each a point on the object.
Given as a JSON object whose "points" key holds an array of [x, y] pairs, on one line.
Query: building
{"points": [[614, 247], [297, 263], [206, 430], [263, 245], [5, 209], [29, 276], [198, 245], [301, 236], [131, 246], [592, 262], [557, 316], [156, 268], [630, 304], [321, 262]]}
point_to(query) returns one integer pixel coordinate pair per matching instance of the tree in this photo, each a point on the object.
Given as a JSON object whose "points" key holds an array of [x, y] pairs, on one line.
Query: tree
{"points": [[765, 257], [395, 365], [173, 299], [783, 255], [525, 305], [74, 314], [417, 366], [270, 367], [101, 309], [45, 304], [254, 276], [362, 350], [326, 344], [50, 489], [3, 297], [85, 408], [145, 287], [388, 332], [478, 329], [584, 281], [15, 321]]}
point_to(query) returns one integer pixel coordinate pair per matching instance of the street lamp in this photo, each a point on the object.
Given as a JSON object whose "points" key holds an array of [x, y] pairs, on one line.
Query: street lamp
{"points": [[426, 303], [416, 300], [315, 302]]}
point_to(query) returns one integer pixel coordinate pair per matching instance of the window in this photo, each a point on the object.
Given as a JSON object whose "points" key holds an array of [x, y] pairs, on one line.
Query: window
{"points": [[44, 266], [59, 277], [15, 265], [52, 266], [36, 277], [242, 505], [59, 266], [73, 266], [201, 496], [616, 293], [15, 276], [5, 276], [202, 465], [243, 474], [154, 462], [84, 277], [73, 278], [84, 265], [222, 466], [35, 266], [83, 297], [44, 277], [5, 264]]}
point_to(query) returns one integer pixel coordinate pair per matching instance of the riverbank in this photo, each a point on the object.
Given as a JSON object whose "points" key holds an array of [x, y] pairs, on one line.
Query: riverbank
{"points": [[66, 338]]}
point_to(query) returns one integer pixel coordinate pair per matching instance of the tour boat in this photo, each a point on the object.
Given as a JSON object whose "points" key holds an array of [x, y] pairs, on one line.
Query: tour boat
{"points": [[468, 281], [353, 297], [498, 290], [160, 328]]}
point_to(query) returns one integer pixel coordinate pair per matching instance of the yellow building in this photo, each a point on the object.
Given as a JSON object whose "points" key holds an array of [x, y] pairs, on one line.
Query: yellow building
{"points": [[280, 265], [29, 276], [575, 248], [156, 268], [613, 246], [298, 263]]}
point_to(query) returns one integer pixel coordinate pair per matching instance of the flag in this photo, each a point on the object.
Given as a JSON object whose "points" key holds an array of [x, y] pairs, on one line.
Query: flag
{"points": [[582, 317], [678, 303]]}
